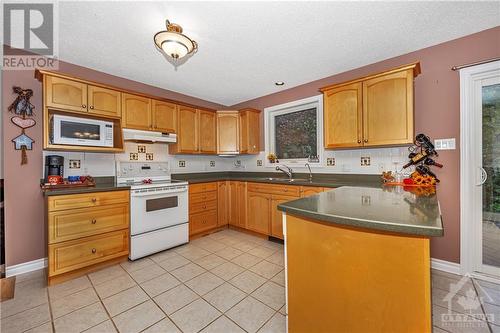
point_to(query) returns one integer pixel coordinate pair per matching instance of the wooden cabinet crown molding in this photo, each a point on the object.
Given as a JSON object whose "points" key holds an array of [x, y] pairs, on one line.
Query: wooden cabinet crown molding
{"points": [[415, 67], [39, 74]]}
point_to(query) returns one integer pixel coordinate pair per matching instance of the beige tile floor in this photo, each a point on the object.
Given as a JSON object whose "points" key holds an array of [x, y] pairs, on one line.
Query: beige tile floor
{"points": [[222, 283]]}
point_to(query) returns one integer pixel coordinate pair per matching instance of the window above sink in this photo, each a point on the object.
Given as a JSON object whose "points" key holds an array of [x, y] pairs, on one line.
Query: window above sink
{"points": [[294, 132]]}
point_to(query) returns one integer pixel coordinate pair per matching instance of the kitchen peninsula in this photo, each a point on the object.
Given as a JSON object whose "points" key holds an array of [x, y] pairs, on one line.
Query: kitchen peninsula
{"points": [[359, 258]]}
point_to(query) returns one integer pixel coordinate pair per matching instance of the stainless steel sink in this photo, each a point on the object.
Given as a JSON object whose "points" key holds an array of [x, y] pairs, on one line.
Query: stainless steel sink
{"points": [[285, 180]]}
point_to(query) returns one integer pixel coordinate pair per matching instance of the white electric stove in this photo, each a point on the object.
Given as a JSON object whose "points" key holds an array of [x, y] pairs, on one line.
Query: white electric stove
{"points": [[158, 207]]}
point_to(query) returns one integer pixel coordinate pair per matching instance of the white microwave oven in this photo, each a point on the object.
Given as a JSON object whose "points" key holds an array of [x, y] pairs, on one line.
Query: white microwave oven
{"points": [[78, 131]]}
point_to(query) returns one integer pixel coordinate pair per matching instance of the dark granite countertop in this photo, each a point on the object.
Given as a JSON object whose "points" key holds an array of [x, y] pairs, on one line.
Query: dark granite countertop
{"points": [[319, 179], [384, 208], [103, 184]]}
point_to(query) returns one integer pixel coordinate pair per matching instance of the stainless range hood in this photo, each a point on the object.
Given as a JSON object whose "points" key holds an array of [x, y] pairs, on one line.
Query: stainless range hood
{"points": [[148, 136]]}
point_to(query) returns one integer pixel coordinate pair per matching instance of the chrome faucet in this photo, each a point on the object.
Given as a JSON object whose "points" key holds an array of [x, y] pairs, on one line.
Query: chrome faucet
{"points": [[288, 172], [310, 172]]}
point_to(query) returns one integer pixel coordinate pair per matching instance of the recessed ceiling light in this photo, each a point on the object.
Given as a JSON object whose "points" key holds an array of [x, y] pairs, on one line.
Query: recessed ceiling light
{"points": [[279, 83]]}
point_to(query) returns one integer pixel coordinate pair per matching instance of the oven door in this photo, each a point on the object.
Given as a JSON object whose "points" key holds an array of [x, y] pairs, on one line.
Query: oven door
{"points": [[154, 209]]}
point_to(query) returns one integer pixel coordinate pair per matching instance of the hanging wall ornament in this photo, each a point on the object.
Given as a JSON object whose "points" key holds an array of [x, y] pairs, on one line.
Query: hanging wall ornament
{"points": [[23, 109]]}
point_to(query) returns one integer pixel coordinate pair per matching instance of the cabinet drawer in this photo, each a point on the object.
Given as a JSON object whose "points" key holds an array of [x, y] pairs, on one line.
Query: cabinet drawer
{"points": [[202, 206], [202, 197], [203, 187], [76, 254], [66, 225], [289, 190], [202, 221], [84, 200]]}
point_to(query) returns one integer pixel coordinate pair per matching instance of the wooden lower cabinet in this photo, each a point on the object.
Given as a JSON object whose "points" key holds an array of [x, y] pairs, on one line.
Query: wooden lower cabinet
{"points": [[203, 207], [222, 203], [259, 208], [306, 191], [203, 221], [277, 215], [86, 232]]}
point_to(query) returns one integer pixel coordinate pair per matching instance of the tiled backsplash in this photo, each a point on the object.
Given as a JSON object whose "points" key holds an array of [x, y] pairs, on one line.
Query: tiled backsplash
{"points": [[346, 161]]}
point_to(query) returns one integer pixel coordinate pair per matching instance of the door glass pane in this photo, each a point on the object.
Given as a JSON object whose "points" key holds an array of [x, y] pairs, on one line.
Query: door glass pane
{"points": [[491, 164]]}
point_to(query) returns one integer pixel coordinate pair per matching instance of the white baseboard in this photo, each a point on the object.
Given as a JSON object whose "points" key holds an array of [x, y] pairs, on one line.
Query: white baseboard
{"points": [[26, 267], [446, 266]]}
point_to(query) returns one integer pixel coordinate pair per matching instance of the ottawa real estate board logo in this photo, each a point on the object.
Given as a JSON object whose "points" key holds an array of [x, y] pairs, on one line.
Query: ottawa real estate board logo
{"points": [[29, 31]]}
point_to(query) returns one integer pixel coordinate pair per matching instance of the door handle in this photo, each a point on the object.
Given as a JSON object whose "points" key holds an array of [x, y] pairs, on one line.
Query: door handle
{"points": [[484, 176]]}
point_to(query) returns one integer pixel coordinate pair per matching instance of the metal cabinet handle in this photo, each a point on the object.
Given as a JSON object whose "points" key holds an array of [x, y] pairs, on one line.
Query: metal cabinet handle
{"points": [[94, 221], [94, 250], [484, 176], [359, 141], [84, 106], [365, 140], [94, 200], [91, 107]]}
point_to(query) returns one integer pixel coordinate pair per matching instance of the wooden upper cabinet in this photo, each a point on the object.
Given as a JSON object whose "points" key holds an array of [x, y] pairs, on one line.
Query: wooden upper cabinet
{"points": [[259, 207], [164, 116], [208, 130], [104, 102], [388, 109], [343, 111], [249, 131], [376, 110], [65, 94], [136, 112], [228, 132], [187, 139]]}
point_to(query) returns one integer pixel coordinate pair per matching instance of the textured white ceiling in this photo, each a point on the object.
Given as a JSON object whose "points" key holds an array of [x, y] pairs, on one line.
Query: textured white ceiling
{"points": [[244, 47]]}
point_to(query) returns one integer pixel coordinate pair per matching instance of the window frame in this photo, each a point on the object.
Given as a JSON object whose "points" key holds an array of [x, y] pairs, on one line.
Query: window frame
{"points": [[294, 106]]}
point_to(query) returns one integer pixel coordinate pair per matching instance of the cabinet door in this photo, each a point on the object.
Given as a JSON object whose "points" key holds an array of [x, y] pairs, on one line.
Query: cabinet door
{"points": [[277, 215], [207, 132], [222, 203], [388, 109], [233, 215], [136, 112], [243, 132], [253, 132], [187, 139], [164, 116], [259, 209], [343, 116], [103, 101], [65, 94], [242, 204], [228, 132]]}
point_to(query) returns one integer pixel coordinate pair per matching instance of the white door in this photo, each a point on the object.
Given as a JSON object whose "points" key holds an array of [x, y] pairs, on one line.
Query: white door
{"points": [[480, 168]]}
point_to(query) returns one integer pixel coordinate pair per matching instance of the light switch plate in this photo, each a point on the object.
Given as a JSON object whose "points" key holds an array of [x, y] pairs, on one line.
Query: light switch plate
{"points": [[445, 144]]}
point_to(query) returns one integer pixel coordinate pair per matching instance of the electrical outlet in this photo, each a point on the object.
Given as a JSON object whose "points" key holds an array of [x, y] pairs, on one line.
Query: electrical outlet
{"points": [[182, 164], [141, 149], [149, 156], [259, 162], [134, 156], [212, 164], [330, 161], [74, 164], [237, 163], [365, 161], [445, 144], [366, 200]]}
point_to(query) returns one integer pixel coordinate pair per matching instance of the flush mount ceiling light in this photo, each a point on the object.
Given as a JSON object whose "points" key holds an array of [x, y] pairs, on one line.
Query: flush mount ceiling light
{"points": [[279, 83], [173, 43]]}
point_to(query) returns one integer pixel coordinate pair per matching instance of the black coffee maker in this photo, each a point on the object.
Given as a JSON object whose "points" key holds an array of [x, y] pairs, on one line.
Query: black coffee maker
{"points": [[54, 166]]}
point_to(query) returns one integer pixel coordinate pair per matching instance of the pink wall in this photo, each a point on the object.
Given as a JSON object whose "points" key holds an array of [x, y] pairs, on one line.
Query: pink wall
{"points": [[25, 235], [437, 113]]}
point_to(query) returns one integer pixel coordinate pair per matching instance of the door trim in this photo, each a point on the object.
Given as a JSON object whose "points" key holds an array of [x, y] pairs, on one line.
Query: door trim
{"points": [[469, 174]]}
